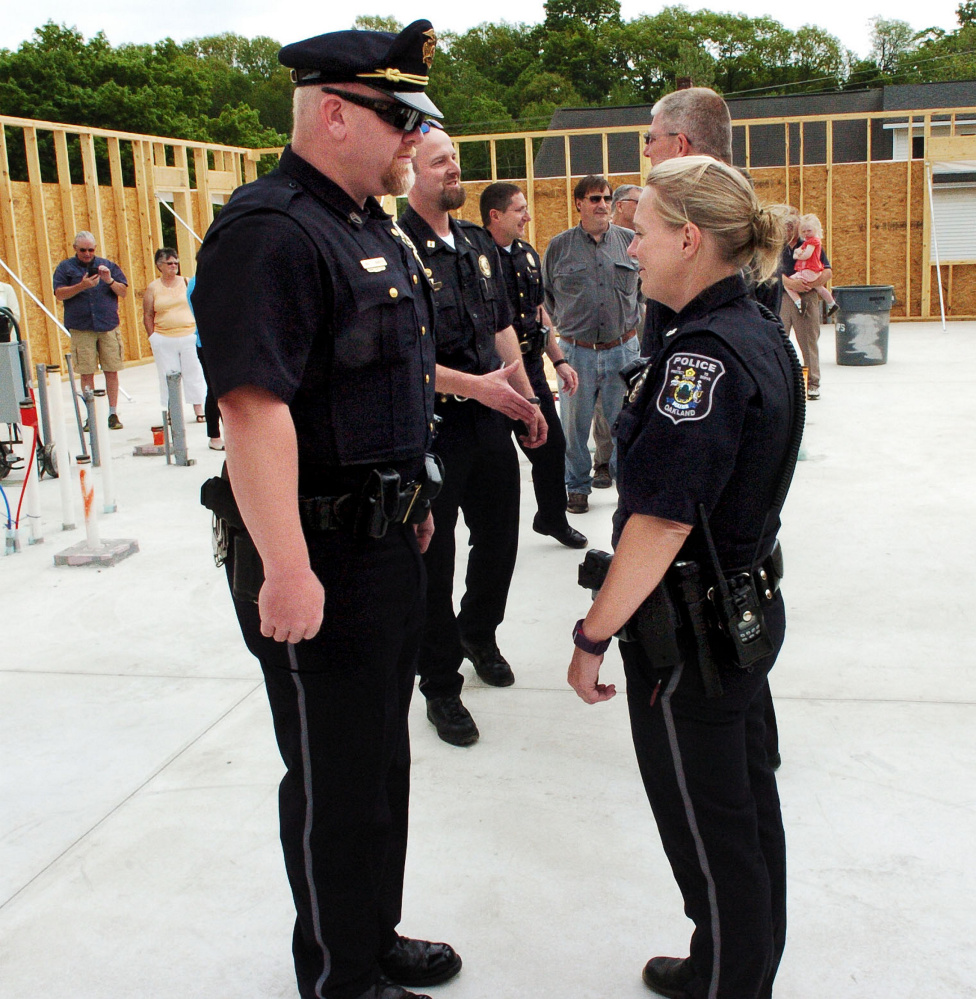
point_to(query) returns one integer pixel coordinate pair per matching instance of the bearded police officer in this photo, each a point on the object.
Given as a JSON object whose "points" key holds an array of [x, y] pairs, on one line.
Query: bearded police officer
{"points": [[317, 323], [480, 382], [504, 214]]}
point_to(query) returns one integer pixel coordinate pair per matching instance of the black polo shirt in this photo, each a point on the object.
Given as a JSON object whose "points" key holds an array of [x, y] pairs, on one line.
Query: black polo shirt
{"points": [[710, 424]]}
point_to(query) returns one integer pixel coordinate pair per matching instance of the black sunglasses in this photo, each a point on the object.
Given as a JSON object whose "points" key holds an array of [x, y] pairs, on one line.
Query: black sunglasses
{"points": [[595, 199], [647, 137], [400, 116], [428, 124]]}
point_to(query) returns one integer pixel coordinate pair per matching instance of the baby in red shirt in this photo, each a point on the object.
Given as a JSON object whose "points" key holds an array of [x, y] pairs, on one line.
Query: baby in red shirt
{"points": [[809, 266]]}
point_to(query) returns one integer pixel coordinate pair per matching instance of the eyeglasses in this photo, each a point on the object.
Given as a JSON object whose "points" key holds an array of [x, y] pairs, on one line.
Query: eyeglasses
{"points": [[648, 138], [172, 263], [428, 124], [85, 249], [632, 201], [595, 199], [400, 116]]}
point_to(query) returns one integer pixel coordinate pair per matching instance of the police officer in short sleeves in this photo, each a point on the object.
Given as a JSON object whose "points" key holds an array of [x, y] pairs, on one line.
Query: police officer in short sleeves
{"points": [[708, 423], [316, 321]]}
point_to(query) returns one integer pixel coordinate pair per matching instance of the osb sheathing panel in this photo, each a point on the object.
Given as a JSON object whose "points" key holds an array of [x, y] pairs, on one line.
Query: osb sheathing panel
{"points": [[963, 290], [849, 257], [890, 228], [37, 273]]}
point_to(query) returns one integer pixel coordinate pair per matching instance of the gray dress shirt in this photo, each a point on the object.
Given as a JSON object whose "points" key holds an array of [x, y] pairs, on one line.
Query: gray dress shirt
{"points": [[591, 287]]}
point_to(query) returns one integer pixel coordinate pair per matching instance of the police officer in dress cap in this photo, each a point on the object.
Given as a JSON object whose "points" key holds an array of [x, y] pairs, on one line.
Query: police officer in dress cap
{"points": [[316, 319]]}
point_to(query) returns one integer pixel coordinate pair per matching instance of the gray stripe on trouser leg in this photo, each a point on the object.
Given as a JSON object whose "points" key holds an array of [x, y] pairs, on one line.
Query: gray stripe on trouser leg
{"points": [[679, 773], [307, 833]]}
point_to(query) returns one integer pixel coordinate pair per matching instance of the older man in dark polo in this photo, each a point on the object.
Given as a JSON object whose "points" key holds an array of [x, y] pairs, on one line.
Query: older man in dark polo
{"points": [[90, 288], [591, 294]]}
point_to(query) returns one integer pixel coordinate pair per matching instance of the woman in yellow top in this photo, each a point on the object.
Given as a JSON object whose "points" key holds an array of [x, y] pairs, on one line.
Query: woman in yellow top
{"points": [[172, 329]]}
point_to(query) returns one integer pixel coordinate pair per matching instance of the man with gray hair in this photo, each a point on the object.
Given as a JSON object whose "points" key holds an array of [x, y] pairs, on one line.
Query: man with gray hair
{"points": [[90, 288], [692, 122]]}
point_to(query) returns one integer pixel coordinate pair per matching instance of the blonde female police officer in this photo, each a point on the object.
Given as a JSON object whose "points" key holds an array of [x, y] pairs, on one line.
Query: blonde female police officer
{"points": [[316, 320], [706, 432]]}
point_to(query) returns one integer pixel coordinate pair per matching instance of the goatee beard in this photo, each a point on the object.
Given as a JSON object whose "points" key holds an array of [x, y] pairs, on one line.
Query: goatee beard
{"points": [[398, 178], [452, 198]]}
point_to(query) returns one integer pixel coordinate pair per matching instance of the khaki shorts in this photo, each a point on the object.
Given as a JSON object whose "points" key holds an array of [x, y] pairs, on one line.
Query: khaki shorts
{"points": [[93, 349]]}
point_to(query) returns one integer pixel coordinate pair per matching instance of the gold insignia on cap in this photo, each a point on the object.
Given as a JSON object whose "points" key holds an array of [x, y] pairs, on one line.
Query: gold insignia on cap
{"points": [[429, 46], [484, 265], [374, 264], [395, 75]]}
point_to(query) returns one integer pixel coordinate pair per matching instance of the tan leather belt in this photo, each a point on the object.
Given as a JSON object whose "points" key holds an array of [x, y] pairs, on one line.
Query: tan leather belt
{"points": [[629, 335]]}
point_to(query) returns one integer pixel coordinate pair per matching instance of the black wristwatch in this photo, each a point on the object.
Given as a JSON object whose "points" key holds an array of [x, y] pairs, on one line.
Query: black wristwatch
{"points": [[582, 642]]}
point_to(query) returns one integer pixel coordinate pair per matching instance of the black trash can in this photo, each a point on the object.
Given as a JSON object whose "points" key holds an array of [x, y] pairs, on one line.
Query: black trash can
{"points": [[864, 312]]}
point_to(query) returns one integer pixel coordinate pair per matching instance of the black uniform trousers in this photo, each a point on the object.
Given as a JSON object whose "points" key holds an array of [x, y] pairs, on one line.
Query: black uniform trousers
{"points": [[714, 798], [481, 480], [339, 703], [549, 461]]}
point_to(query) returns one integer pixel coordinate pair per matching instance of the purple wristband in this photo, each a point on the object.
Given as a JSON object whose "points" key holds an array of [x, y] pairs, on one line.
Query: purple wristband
{"points": [[582, 642]]}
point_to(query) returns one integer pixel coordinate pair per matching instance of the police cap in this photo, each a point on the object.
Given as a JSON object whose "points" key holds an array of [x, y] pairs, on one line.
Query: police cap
{"points": [[396, 64]]}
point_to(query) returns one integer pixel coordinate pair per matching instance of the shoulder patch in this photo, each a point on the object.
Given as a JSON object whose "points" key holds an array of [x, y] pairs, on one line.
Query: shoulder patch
{"points": [[689, 383]]}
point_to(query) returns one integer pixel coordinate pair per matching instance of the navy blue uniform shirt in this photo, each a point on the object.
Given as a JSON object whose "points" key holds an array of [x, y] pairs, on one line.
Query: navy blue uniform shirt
{"points": [[521, 269], [710, 424], [95, 309], [301, 292], [468, 292]]}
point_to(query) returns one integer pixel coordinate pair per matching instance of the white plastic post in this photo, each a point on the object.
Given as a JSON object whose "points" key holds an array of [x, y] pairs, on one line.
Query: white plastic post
{"points": [[105, 453], [56, 400], [32, 497], [87, 487]]}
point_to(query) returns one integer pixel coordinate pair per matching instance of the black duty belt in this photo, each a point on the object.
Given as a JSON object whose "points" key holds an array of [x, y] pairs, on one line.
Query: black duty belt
{"points": [[330, 513]]}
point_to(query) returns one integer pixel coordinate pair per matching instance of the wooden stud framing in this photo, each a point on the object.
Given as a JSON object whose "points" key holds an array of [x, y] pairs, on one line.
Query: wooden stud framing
{"points": [[748, 149], [908, 222], [605, 151], [134, 342], [802, 206], [569, 182], [530, 186], [927, 224], [186, 244], [830, 189], [8, 222], [45, 264], [786, 138], [493, 153], [867, 211], [92, 194], [64, 183]]}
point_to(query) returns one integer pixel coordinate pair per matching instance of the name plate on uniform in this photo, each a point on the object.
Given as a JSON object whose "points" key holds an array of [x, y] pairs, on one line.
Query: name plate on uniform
{"points": [[374, 264]]}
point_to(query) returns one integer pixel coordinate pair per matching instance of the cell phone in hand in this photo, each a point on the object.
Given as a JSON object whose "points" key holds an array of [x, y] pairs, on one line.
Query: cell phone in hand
{"points": [[92, 270]]}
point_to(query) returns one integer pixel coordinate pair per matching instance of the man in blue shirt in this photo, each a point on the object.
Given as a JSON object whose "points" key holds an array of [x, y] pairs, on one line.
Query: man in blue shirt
{"points": [[90, 288]]}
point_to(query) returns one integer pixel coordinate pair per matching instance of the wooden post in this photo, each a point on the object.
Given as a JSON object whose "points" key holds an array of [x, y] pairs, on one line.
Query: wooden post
{"points": [[493, 156], [801, 166], [749, 150], [144, 197], [92, 194], [927, 223], [606, 156], [45, 266], [186, 244], [867, 212], [8, 223], [250, 172], [132, 318], [530, 185], [204, 204], [64, 183], [908, 223], [569, 183], [830, 188], [786, 139]]}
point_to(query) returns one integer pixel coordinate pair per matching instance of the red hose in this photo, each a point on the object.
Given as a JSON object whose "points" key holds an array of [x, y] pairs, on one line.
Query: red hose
{"points": [[23, 488]]}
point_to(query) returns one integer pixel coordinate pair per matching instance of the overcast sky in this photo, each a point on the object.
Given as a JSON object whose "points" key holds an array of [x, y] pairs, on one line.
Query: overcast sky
{"points": [[137, 21]]}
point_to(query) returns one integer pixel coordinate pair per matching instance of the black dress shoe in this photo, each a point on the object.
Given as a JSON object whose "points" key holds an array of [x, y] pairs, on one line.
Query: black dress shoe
{"points": [[668, 976], [452, 720], [565, 535], [419, 962], [489, 663], [387, 990]]}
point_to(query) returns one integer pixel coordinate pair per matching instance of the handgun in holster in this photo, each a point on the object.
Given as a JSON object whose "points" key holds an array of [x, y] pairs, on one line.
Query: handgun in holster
{"points": [[379, 503], [229, 532]]}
